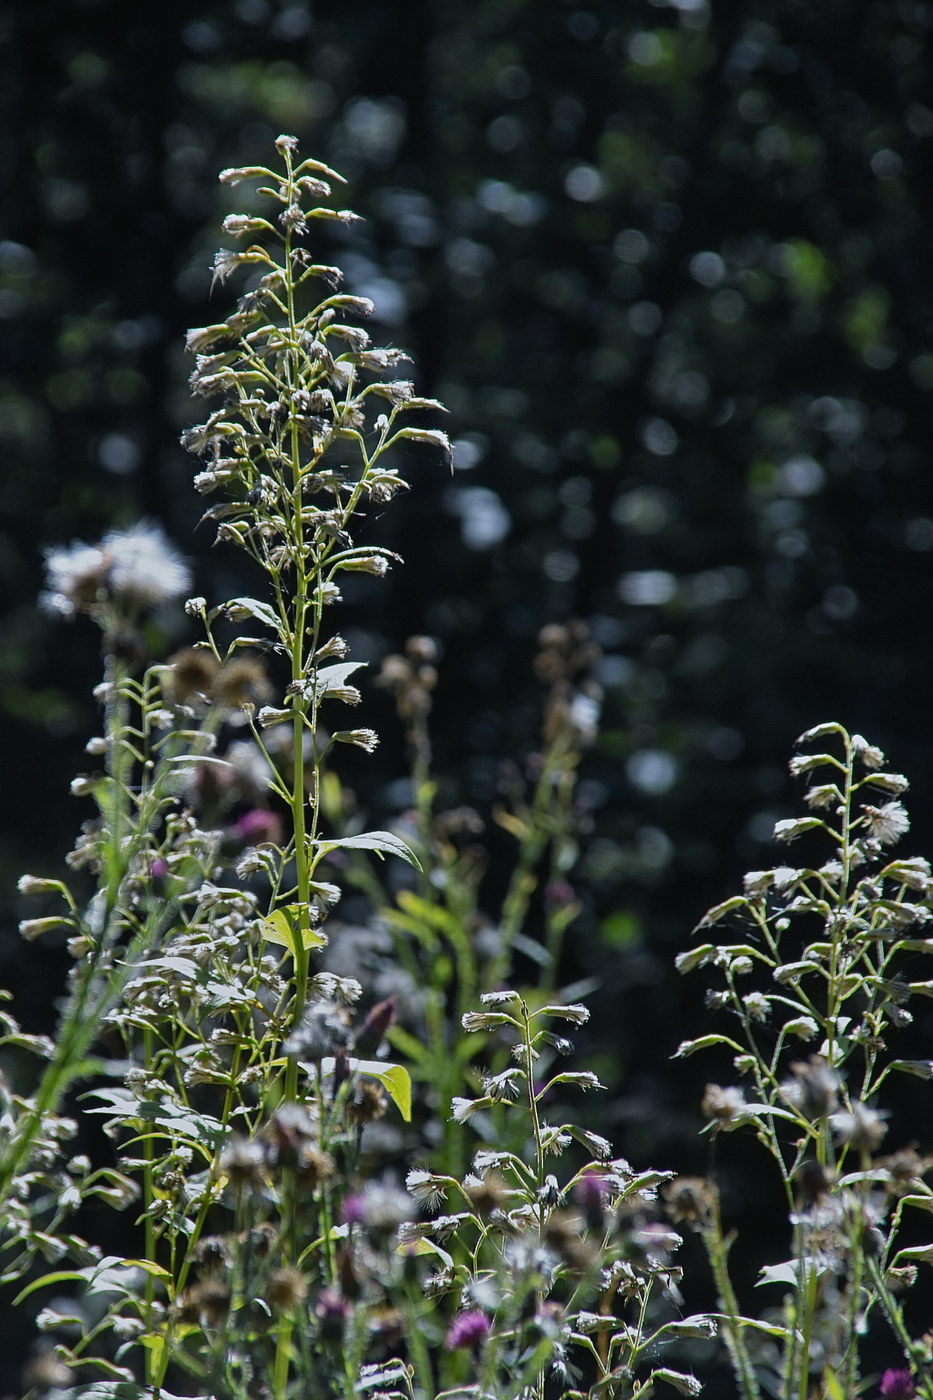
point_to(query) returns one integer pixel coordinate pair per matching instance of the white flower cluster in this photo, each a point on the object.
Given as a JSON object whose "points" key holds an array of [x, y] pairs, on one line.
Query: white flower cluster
{"points": [[137, 567]]}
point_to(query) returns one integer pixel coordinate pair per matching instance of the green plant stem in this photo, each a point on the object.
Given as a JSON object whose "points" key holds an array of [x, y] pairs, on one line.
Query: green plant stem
{"points": [[718, 1253]]}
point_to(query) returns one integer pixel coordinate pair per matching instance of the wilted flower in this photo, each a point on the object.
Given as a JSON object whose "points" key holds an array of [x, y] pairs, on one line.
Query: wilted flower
{"points": [[690, 1199], [323, 1032], [426, 1188], [813, 1088], [870, 754], [864, 1128], [242, 681], [243, 1161], [137, 566], [285, 1289], [725, 1107]]}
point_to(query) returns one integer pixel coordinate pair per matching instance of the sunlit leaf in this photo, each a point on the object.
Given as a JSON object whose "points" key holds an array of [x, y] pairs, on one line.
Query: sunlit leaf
{"points": [[280, 927], [384, 843]]}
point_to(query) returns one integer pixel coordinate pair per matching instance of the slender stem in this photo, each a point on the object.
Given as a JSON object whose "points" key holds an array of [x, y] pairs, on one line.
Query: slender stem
{"points": [[718, 1253]]}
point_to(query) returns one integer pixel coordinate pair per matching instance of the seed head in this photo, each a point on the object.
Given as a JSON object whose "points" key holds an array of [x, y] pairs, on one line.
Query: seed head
{"points": [[285, 1289], [864, 1128], [726, 1108], [812, 1089]]}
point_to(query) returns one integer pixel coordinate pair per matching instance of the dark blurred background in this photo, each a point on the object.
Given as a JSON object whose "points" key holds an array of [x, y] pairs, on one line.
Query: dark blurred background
{"points": [[667, 262]]}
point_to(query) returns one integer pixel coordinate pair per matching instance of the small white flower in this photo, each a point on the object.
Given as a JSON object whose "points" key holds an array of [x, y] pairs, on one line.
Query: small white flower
{"points": [[75, 576], [757, 1006], [35, 884], [462, 1109], [143, 568], [756, 882], [785, 876], [366, 739], [870, 754], [426, 1188], [804, 1027], [887, 823]]}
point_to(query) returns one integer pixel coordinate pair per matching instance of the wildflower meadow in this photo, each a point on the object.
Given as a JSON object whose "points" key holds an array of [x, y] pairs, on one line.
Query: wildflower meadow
{"points": [[317, 1117]]}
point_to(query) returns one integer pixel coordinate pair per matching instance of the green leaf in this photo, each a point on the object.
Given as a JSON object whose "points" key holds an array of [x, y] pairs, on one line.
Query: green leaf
{"points": [[831, 1387], [395, 1079], [427, 1247], [404, 1041], [102, 1277], [384, 843], [335, 677], [917, 1254], [280, 927], [703, 1042], [253, 608], [789, 1271], [434, 915], [174, 1119], [719, 911]]}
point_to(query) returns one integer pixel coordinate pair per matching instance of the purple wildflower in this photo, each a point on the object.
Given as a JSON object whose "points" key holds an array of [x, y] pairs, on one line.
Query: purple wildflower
{"points": [[354, 1209], [468, 1329], [897, 1385], [591, 1192], [259, 825]]}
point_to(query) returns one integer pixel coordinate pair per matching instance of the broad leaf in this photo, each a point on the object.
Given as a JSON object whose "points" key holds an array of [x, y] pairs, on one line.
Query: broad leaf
{"points": [[281, 928], [335, 677], [395, 1079]]}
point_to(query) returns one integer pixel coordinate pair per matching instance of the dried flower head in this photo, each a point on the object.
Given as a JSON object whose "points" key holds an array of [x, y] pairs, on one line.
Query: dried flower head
{"points": [[813, 1088]]}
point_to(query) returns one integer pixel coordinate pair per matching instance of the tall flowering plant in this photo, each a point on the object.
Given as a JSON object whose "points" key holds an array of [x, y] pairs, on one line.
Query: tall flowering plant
{"points": [[243, 1078], [827, 959]]}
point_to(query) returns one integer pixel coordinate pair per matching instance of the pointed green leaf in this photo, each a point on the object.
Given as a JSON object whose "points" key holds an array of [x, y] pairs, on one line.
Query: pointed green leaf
{"points": [[280, 927], [384, 843], [703, 1042]]}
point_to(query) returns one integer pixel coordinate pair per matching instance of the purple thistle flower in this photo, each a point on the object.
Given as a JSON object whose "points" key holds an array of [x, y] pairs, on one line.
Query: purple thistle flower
{"points": [[354, 1209], [897, 1385], [468, 1329], [259, 825]]}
